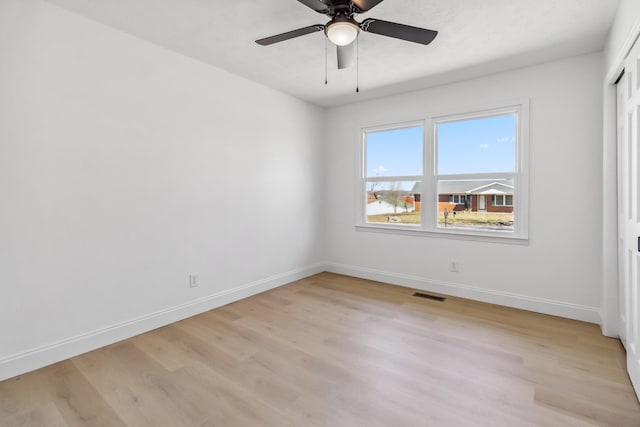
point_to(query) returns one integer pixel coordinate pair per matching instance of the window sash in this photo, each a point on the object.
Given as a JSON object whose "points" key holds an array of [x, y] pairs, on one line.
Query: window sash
{"points": [[457, 199], [502, 200]]}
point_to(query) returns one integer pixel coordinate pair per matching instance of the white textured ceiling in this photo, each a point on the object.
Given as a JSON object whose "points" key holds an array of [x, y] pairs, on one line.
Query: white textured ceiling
{"points": [[475, 37]]}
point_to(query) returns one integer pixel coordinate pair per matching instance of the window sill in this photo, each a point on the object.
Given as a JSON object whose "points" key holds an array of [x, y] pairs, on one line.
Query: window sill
{"points": [[504, 237]]}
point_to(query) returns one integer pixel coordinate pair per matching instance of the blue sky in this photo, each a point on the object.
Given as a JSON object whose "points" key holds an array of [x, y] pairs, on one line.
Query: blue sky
{"points": [[395, 152], [469, 146]]}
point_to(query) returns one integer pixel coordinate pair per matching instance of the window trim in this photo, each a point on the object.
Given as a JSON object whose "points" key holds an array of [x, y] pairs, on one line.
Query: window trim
{"points": [[428, 225], [504, 203], [452, 199]]}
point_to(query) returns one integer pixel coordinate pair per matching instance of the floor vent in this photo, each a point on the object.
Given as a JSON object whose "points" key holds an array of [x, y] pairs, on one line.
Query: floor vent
{"points": [[427, 296]]}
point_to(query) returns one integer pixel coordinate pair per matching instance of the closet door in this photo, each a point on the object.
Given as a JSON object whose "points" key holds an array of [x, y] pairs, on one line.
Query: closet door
{"points": [[629, 211]]}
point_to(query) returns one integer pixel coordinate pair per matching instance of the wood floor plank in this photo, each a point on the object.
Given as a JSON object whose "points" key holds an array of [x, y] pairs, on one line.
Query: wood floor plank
{"points": [[46, 415], [79, 403], [595, 412], [332, 350]]}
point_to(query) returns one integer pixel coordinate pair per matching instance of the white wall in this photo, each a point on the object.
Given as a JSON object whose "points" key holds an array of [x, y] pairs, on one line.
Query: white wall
{"points": [[124, 168], [627, 17], [559, 270]]}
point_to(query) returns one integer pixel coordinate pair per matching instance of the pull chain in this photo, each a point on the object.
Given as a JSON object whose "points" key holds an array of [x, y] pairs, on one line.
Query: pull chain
{"points": [[357, 67], [325, 60]]}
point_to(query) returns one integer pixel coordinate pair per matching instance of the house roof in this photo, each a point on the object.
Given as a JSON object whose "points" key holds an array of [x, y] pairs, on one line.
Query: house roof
{"points": [[487, 186], [492, 188]]}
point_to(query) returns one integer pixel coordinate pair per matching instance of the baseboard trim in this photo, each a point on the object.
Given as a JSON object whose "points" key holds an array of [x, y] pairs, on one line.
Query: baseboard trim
{"points": [[36, 358], [540, 305]]}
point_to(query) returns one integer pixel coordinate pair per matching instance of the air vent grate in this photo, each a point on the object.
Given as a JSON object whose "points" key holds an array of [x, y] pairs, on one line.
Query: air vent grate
{"points": [[427, 296]]}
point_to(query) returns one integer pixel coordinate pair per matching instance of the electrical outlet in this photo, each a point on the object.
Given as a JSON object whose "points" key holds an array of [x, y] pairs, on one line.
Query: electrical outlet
{"points": [[193, 281], [453, 266]]}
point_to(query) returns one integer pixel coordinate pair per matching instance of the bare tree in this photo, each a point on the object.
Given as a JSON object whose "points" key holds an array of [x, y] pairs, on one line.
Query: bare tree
{"points": [[372, 187], [395, 196]]}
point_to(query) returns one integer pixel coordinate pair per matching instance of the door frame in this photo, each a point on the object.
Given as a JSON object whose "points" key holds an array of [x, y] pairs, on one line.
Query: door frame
{"points": [[482, 207], [609, 280]]}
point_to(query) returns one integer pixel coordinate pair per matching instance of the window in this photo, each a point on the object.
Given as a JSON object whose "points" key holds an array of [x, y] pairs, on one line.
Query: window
{"points": [[394, 167], [472, 164], [457, 199], [502, 200]]}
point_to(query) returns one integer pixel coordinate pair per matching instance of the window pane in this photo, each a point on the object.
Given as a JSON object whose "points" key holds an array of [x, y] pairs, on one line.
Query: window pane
{"points": [[481, 145], [396, 202], [480, 207], [395, 152]]}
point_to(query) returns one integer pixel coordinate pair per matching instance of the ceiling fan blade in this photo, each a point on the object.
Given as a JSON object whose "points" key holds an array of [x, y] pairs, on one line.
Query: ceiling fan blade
{"points": [[365, 5], [398, 31], [290, 35], [346, 55], [317, 5]]}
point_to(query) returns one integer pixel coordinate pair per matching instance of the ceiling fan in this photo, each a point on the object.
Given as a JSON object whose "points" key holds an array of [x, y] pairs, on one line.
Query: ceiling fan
{"points": [[343, 29]]}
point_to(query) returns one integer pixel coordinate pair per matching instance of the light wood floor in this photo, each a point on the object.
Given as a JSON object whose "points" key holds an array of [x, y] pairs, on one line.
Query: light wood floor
{"points": [[337, 351]]}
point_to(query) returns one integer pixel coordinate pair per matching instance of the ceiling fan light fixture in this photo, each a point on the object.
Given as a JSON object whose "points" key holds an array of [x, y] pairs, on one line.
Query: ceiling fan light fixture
{"points": [[342, 32]]}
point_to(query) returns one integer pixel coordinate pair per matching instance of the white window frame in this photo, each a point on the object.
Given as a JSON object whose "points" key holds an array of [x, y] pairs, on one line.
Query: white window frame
{"points": [[453, 197], [429, 198], [361, 208], [494, 198]]}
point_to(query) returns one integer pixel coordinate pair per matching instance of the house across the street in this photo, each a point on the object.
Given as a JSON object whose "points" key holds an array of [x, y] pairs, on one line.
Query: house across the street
{"points": [[495, 195]]}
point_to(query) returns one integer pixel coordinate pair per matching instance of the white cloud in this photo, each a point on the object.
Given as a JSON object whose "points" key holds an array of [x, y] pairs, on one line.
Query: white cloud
{"points": [[380, 169], [484, 146], [505, 139]]}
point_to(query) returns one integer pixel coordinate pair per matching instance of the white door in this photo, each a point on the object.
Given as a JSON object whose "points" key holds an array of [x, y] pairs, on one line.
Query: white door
{"points": [[482, 203], [629, 211]]}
